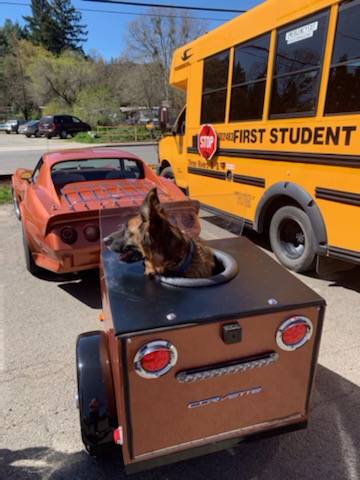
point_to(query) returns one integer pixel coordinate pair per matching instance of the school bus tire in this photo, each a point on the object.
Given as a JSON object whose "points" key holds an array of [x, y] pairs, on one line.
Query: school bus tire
{"points": [[167, 173], [292, 239]]}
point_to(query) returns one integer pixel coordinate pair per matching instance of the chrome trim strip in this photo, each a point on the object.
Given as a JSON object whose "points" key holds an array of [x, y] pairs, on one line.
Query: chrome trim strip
{"points": [[240, 367]]}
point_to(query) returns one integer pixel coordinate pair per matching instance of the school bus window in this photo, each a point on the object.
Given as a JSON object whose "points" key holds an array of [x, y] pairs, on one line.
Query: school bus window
{"points": [[216, 70], [343, 94], [298, 63], [249, 79]]}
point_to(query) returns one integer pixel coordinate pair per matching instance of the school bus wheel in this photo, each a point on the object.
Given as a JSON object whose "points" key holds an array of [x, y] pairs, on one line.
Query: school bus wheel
{"points": [[292, 239], [167, 173]]}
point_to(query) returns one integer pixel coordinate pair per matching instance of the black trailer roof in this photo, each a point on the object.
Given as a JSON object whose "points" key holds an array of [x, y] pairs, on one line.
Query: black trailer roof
{"points": [[139, 303]]}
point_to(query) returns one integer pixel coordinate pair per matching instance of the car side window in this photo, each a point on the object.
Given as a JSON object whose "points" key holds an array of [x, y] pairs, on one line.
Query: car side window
{"points": [[36, 171], [75, 120]]}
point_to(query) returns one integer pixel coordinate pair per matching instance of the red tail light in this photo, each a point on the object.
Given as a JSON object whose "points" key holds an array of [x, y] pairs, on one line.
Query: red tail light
{"points": [[155, 359], [92, 233], [294, 333], [68, 235]]}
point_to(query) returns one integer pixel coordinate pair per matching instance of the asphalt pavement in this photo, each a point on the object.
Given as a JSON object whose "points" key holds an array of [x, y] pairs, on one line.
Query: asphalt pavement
{"points": [[17, 151], [39, 434]]}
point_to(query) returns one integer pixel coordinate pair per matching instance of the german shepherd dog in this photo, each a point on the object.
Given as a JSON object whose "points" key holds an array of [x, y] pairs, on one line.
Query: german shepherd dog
{"points": [[166, 250]]}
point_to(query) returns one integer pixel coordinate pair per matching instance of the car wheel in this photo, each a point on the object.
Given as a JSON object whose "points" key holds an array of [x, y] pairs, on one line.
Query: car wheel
{"points": [[7, 131], [16, 205], [63, 134], [49, 136], [167, 173], [29, 261], [28, 135], [292, 239]]}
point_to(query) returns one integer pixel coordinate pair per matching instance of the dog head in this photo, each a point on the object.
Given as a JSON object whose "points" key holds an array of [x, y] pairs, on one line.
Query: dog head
{"points": [[149, 235]]}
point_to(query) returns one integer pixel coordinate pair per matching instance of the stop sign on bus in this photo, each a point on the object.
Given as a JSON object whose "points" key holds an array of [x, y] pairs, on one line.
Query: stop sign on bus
{"points": [[207, 142]]}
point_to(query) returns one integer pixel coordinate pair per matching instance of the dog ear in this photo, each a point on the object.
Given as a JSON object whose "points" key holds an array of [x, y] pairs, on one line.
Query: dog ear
{"points": [[150, 205]]}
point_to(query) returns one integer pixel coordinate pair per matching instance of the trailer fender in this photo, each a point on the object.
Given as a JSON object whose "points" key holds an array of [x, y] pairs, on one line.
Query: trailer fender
{"points": [[295, 193], [96, 401]]}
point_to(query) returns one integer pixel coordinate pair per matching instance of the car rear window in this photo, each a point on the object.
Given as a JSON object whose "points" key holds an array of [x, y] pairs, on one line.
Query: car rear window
{"points": [[94, 169]]}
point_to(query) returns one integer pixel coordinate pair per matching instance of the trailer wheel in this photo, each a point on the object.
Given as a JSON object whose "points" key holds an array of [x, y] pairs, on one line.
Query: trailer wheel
{"points": [[96, 402], [167, 173], [30, 264], [292, 239]]}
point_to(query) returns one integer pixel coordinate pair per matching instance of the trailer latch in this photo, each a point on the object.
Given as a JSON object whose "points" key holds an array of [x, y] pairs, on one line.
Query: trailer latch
{"points": [[231, 333]]}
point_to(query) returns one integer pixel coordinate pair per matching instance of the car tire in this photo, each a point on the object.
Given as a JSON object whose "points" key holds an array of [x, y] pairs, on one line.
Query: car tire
{"points": [[16, 205], [292, 239], [7, 132], [167, 173], [30, 264], [63, 134], [28, 135], [49, 136]]}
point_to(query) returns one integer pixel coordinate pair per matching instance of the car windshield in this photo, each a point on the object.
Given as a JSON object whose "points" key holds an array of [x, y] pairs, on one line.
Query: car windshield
{"points": [[94, 169]]}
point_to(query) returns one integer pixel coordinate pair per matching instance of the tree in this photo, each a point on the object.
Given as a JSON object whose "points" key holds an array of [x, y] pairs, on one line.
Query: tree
{"points": [[70, 32], [55, 25], [154, 38], [19, 86], [40, 25], [60, 77]]}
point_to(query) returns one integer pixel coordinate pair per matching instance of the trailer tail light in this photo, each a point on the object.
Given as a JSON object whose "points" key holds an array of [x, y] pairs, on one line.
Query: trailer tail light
{"points": [[119, 436], [92, 233], [294, 333], [155, 359], [68, 235]]}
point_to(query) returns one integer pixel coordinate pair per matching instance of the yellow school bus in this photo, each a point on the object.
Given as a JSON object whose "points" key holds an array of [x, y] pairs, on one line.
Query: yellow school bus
{"points": [[280, 85]]}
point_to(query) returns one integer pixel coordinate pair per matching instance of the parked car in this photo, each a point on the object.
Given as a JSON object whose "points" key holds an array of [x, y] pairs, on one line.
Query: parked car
{"points": [[12, 126], [30, 128], [59, 203], [62, 126]]}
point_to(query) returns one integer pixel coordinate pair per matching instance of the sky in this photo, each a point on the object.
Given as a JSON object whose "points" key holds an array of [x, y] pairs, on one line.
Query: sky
{"points": [[107, 31]]}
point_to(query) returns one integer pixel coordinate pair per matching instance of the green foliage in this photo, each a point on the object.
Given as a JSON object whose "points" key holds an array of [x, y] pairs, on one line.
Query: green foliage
{"points": [[5, 194], [56, 25], [96, 105], [120, 134]]}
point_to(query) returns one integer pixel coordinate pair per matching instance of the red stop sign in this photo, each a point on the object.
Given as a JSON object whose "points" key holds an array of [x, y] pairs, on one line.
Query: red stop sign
{"points": [[207, 141]]}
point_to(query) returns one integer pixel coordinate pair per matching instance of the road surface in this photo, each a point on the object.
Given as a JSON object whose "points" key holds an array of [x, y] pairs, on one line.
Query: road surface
{"points": [[17, 151]]}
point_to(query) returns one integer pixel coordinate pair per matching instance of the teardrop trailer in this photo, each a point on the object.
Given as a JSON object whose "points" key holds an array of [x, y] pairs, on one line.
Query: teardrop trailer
{"points": [[184, 368]]}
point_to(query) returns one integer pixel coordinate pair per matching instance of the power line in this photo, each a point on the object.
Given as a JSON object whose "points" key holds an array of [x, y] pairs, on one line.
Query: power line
{"points": [[89, 10], [126, 13], [178, 7]]}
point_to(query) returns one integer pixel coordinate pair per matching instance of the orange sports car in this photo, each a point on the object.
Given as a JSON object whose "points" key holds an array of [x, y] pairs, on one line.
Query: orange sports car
{"points": [[59, 201]]}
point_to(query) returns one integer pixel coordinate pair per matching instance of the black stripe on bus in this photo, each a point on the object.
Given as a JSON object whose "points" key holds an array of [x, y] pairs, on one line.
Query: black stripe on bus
{"points": [[254, 181], [344, 254], [207, 173], [352, 161], [338, 196]]}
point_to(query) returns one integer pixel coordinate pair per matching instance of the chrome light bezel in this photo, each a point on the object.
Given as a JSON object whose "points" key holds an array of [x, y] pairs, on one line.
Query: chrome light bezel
{"points": [[289, 323], [152, 347]]}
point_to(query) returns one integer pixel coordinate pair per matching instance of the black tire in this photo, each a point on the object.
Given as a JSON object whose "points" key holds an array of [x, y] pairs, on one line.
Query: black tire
{"points": [[49, 136], [7, 132], [28, 135], [16, 205], [29, 261], [63, 134], [167, 173], [292, 239]]}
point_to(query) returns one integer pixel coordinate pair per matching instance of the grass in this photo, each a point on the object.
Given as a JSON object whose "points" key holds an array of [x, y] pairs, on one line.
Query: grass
{"points": [[5, 194], [117, 135]]}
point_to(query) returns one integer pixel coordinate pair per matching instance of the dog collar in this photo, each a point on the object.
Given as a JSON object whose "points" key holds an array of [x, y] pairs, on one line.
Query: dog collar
{"points": [[184, 265]]}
